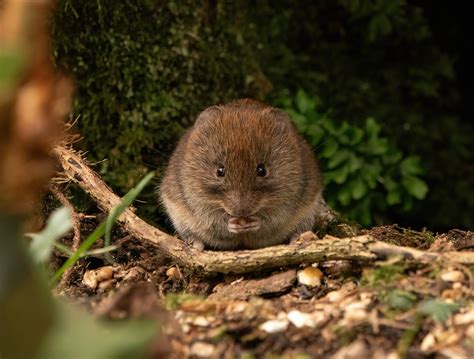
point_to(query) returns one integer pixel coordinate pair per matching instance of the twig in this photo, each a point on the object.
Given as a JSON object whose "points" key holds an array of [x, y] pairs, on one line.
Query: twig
{"points": [[305, 250], [76, 223]]}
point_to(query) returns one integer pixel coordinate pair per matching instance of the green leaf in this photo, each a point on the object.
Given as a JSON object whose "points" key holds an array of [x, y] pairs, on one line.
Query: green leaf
{"points": [[378, 146], [438, 309], [411, 166], [407, 203], [77, 334], [401, 299], [372, 128], [338, 158], [344, 196], [355, 163], [331, 128], [58, 224], [315, 134], [299, 120], [126, 201], [415, 186], [330, 148], [371, 173], [342, 130], [340, 175], [389, 183], [313, 116], [364, 213], [11, 66], [355, 136], [358, 188], [384, 25], [394, 197], [392, 156], [303, 102]]}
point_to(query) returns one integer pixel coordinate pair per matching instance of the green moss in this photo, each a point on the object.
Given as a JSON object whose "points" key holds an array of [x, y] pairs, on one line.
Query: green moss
{"points": [[384, 275], [174, 300], [144, 70]]}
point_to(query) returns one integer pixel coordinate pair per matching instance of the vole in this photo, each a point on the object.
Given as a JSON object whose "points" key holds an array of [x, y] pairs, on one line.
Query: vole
{"points": [[242, 178]]}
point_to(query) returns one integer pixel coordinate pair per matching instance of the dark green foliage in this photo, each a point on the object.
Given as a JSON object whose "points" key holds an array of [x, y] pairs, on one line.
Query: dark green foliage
{"points": [[146, 68], [379, 59], [364, 173]]}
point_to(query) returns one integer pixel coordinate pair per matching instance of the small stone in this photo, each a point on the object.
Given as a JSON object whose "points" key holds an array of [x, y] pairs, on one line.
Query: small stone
{"points": [[107, 284], [356, 315], [90, 279], [274, 326], [341, 293], [104, 273], [457, 285], [452, 276], [428, 342], [310, 276], [185, 328], [470, 331], [452, 294], [464, 318], [362, 304], [300, 319], [334, 296], [237, 307], [134, 273], [392, 355], [200, 321], [357, 311], [356, 350], [202, 349]]}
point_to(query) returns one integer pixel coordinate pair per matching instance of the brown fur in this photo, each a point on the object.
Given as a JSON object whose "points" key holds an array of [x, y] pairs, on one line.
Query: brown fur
{"points": [[241, 135]]}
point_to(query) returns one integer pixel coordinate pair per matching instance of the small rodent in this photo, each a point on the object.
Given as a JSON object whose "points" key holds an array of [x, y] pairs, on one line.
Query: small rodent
{"points": [[242, 178]]}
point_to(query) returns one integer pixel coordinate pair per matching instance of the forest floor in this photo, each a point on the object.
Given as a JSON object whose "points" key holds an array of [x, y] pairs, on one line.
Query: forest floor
{"points": [[338, 309]]}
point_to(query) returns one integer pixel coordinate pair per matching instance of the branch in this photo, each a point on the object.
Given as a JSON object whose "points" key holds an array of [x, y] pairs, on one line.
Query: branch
{"points": [[304, 250]]}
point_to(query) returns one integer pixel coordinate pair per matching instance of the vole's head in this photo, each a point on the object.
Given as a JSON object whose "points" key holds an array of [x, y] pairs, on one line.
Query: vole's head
{"points": [[242, 166]]}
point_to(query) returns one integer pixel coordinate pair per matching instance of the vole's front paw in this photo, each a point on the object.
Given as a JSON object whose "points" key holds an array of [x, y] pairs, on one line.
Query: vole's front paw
{"points": [[305, 236], [194, 243], [197, 244]]}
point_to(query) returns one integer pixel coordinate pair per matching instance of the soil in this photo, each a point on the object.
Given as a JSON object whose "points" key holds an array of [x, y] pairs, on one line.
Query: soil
{"points": [[334, 309]]}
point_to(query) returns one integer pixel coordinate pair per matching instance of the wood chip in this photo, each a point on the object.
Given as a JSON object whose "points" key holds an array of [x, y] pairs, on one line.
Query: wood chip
{"points": [[104, 273], [89, 279], [452, 276], [242, 290]]}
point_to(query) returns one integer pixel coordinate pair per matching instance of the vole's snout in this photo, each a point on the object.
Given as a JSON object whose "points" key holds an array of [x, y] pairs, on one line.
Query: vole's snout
{"points": [[241, 208], [240, 205]]}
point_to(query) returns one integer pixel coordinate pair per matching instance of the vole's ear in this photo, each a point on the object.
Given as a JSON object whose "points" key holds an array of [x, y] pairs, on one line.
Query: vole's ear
{"points": [[208, 114], [281, 116]]}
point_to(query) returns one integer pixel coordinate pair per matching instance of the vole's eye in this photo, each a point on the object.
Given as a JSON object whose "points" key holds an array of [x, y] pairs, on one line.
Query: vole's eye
{"points": [[220, 171], [261, 171]]}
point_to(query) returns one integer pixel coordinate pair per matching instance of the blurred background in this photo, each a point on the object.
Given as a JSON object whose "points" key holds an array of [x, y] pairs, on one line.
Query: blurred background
{"points": [[381, 89]]}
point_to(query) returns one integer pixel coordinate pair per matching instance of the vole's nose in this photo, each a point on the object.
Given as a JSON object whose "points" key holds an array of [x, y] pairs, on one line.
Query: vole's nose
{"points": [[241, 205]]}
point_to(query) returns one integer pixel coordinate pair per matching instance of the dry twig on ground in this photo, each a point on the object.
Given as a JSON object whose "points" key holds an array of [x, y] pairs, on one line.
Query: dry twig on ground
{"points": [[305, 250]]}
